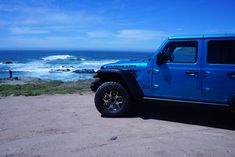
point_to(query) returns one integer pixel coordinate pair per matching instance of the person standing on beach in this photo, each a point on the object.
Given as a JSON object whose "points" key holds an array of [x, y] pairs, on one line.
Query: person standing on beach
{"points": [[10, 74]]}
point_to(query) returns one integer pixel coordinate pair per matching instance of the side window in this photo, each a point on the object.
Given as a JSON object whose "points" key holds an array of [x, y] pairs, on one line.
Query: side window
{"points": [[181, 52], [221, 52]]}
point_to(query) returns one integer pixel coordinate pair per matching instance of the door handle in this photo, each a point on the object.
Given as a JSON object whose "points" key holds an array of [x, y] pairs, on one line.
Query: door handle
{"points": [[231, 74], [192, 73], [156, 71], [207, 73]]}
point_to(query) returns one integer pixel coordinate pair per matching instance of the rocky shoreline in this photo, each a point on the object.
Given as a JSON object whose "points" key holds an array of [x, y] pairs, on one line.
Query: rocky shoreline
{"points": [[88, 71]]}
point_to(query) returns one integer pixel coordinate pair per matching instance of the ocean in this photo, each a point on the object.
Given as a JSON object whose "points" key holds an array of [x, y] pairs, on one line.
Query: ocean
{"points": [[60, 65]]}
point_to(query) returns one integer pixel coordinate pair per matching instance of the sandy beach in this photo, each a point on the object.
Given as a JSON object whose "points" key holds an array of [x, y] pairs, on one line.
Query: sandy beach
{"points": [[69, 125]]}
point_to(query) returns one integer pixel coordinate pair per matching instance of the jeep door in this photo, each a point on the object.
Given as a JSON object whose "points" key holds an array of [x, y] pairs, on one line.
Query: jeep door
{"points": [[219, 70], [179, 77]]}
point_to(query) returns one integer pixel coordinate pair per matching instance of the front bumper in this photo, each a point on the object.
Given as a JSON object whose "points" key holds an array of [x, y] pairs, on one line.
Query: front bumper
{"points": [[95, 85]]}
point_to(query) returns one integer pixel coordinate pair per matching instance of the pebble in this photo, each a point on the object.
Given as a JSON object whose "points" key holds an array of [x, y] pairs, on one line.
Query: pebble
{"points": [[113, 138]]}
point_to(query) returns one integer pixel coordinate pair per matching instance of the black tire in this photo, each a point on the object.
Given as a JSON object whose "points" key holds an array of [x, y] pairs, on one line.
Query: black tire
{"points": [[112, 99], [232, 105]]}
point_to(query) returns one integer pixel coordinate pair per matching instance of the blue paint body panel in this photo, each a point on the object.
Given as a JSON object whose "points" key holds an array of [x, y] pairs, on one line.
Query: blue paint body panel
{"points": [[212, 83]]}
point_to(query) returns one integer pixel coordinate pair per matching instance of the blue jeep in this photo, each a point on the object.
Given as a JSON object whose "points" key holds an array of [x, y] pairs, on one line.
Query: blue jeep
{"points": [[194, 69]]}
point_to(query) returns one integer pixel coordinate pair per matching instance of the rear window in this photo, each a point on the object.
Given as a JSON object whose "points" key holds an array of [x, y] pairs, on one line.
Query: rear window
{"points": [[221, 52]]}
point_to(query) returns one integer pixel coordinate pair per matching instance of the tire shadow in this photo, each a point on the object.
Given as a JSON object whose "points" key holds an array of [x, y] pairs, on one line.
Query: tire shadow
{"points": [[196, 114]]}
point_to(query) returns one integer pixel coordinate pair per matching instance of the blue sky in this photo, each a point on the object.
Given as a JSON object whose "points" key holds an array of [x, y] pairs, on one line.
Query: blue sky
{"points": [[108, 24]]}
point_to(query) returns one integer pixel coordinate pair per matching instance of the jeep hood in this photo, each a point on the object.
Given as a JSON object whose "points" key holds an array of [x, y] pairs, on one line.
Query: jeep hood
{"points": [[126, 65]]}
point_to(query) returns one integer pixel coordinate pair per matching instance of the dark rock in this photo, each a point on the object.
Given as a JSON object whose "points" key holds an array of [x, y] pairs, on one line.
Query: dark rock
{"points": [[84, 71], [67, 66], [60, 70], [113, 138], [8, 62]]}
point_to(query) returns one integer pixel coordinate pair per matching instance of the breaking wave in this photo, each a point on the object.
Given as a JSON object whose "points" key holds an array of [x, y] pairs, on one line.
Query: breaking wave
{"points": [[59, 65], [59, 70], [59, 57]]}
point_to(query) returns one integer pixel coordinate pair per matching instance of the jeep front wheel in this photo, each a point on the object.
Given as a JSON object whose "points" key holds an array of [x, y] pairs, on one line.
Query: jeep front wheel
{"points": [[112, 99]]}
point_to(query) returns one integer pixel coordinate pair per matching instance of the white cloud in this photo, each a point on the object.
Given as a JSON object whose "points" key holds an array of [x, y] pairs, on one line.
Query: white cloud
{"points": [[27, 30], [50, 42], [32, 25], [212, 31], [141, 34], [40, 14], [98, 34], [129, 34], [179, 29], [56, 17], [5, 9], [73, 37]]}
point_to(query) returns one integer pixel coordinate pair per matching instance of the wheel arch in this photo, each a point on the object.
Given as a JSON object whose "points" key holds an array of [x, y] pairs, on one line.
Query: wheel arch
{"points": [[125, 78], [232, 103]]}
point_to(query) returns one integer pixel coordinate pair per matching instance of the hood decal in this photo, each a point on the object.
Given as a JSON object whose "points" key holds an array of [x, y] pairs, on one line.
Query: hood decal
{"points": [[121, 66], [126, 65]]}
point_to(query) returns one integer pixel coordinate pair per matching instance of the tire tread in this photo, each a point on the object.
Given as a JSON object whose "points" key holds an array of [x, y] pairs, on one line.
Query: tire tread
{"points": [[107, 86]]}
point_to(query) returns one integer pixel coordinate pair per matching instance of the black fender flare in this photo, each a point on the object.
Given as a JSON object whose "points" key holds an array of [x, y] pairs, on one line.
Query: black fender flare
{"points": [[232, 103], [126, 78]]}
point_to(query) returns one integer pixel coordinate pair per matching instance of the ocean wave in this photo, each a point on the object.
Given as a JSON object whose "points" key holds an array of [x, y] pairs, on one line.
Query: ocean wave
{"points": [[59, 70], [59, 57], [35, 66], [82, 59], [44, 67]]}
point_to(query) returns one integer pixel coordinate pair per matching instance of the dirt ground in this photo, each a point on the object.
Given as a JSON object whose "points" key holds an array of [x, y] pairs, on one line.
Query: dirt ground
{"points": [[69, 125]]}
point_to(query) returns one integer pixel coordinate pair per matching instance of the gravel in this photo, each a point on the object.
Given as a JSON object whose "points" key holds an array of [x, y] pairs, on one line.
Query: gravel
{"points": [[69, 125]]}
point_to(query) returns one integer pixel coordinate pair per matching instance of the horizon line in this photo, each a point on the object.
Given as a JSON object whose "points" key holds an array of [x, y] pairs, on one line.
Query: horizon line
{"points": [[105, 50]]}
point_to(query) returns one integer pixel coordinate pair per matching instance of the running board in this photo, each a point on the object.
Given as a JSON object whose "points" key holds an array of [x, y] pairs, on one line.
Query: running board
{"points": [[185, 101]]}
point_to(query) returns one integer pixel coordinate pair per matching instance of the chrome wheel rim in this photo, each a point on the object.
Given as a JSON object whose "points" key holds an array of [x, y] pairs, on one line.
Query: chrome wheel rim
{"points": [[112, 100]]}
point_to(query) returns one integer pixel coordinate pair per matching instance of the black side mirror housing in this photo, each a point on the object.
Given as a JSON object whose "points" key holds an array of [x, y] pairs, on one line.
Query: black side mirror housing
{"points": [[161, 58]]}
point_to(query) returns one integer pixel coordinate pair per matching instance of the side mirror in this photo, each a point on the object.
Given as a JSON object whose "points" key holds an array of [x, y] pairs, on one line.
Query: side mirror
{"points": [[161, 58]]}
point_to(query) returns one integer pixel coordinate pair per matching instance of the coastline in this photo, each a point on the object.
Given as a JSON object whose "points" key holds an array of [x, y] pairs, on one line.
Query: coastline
{"points": [[31, 86]]}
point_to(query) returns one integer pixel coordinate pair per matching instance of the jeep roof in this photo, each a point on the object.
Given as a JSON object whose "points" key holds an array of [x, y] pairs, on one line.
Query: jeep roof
{"points": [[205, 36]]}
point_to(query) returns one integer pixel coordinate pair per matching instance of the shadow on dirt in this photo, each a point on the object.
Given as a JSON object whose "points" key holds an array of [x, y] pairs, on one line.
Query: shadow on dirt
{"points": [[196, 114]]}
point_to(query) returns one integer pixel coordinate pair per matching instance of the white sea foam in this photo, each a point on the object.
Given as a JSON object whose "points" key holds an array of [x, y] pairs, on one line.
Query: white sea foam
{"points": [[35, 66], [49, 70], [42, 66], [58, 57]]}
